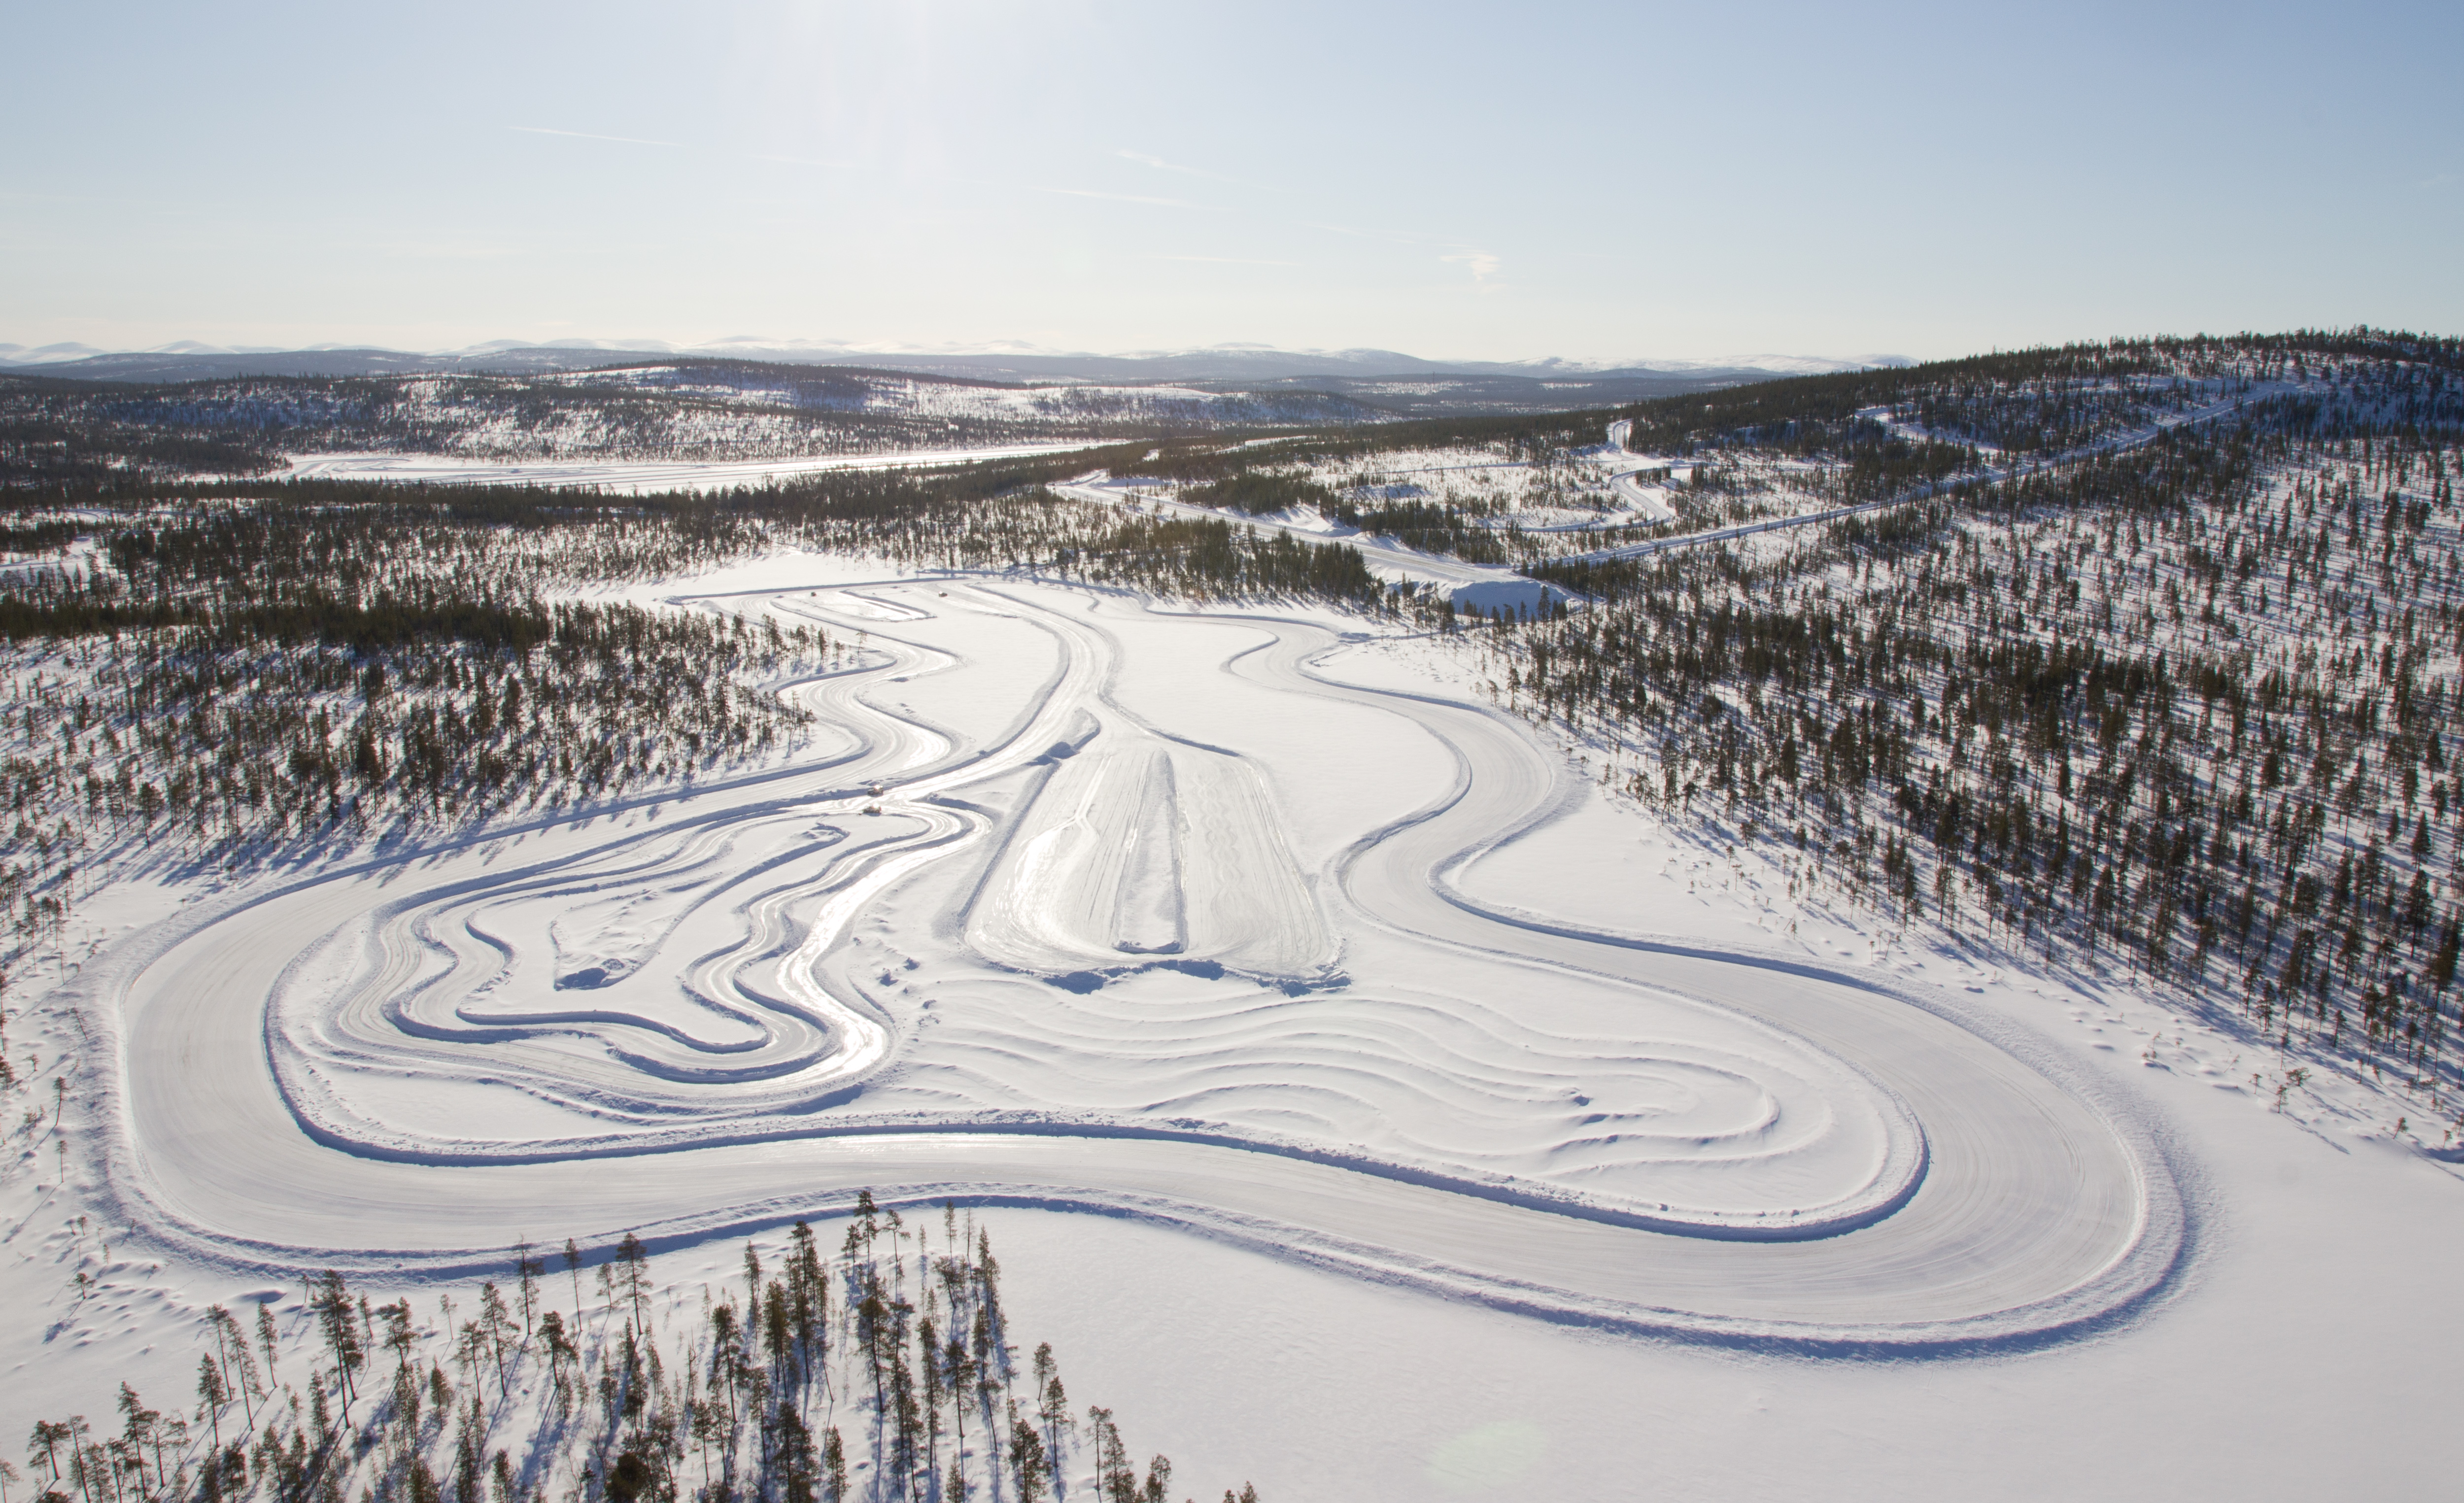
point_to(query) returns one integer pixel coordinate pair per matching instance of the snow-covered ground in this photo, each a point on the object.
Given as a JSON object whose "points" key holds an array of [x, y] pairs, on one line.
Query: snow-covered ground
{"points": [[634, 476], [1383, 1110], [1561, 506], [1649, 502], [880, 393], [1482, 586]]}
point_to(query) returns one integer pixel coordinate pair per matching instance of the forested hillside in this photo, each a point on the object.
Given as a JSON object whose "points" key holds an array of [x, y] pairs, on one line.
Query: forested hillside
{"points": [[2186, 706], [241, 671], [57, 430], [1541, 489]]}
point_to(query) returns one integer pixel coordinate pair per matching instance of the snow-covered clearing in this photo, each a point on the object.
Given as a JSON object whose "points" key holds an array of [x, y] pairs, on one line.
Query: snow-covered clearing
{"points": [[635, 477], [1485, 586], [1447, 1128], [884, 393]]}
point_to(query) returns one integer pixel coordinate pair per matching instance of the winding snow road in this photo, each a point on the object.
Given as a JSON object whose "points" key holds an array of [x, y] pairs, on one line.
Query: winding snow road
{"points": [[1075, 955]]}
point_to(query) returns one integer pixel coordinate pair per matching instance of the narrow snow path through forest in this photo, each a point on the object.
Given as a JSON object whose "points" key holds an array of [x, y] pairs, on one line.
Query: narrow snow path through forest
{"points": [[1648, 503]]}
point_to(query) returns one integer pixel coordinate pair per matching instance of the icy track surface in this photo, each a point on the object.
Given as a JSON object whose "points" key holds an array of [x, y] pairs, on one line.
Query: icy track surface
{"points": [[1152, 914]]}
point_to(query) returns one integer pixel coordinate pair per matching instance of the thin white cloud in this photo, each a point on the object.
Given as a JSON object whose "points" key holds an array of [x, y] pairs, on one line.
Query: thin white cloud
{"points": [[584, 135], [1480, 263]]}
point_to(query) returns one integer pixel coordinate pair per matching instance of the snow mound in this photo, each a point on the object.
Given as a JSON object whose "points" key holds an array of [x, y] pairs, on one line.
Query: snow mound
{"points": [[1136, 846]]}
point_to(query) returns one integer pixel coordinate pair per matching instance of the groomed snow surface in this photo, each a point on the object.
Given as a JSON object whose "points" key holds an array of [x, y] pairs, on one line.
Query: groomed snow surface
{"points": [[1438, 1144]]}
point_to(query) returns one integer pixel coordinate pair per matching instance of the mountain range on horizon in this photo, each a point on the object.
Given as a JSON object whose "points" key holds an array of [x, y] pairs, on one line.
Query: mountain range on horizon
{"points": [[192, 360]]}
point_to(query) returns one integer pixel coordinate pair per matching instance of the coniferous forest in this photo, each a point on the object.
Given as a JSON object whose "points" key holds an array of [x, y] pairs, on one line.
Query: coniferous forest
{"points": [[882, 1368], [238, 672], [56, 430], [2188, 711]]}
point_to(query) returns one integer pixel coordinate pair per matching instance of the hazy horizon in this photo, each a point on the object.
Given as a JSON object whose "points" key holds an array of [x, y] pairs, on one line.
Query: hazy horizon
{"points": [[756, 345]]}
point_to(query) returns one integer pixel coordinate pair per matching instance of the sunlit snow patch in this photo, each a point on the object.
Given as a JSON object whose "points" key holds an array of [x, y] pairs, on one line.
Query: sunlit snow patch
{"points": [[1515, 596], [1139, 846]]}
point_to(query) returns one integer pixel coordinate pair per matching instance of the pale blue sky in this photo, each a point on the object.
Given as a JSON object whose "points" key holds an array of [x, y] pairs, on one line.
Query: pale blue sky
{"points": [[1591, 181]]}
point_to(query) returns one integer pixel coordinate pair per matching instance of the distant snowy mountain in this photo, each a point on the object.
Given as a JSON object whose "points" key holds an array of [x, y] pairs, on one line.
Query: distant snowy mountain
{"points": [[45, 354], [190, 360]]}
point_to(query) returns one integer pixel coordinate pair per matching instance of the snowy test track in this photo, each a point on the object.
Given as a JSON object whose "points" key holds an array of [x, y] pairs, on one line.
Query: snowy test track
{"points": [[1155, 914]]}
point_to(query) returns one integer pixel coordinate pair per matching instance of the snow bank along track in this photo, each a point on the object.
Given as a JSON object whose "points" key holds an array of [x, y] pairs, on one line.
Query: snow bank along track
{"points": [[1152, 916]]}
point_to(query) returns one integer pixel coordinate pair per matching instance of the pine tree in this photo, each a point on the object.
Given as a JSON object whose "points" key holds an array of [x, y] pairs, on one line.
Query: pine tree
{"points": [[331, 1304]]}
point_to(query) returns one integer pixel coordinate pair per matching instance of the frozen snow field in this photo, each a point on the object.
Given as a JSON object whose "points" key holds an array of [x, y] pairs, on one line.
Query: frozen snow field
{"points": [[1357, 1089], [635, 477]]}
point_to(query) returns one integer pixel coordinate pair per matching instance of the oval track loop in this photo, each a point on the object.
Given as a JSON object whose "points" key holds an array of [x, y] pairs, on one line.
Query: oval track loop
{"points": [[2031, 1179], [765, 1002]]}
